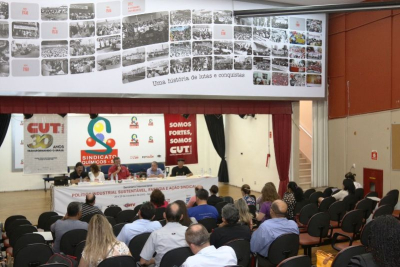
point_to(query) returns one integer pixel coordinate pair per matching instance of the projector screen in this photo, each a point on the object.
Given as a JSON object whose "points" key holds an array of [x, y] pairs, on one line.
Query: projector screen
{"points": [[160, 49]]}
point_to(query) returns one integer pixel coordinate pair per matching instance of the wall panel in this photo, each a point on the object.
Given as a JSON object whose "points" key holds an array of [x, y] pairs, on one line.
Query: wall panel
{"points": [[337, 97]]}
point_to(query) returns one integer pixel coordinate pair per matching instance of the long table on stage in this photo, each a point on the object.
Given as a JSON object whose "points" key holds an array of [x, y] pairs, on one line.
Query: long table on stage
{"points": [[128, 195]]}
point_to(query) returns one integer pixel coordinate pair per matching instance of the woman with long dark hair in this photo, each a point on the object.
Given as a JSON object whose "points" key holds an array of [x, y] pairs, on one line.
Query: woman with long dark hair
{"points": [[185, 219], [293, 195], [348, 189]]}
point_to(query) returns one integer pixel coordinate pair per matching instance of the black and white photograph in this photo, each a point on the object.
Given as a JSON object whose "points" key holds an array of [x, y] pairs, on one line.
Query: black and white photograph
{"points": [[280, 79], [157, 68], [279, 36], [4, 31], [261, 49], [280, 64], [242, 33], [54, 67], [314, 52], [261, 78], [202, 48], [314, 80], [180, 65], [296, 37], [261, 34], [296, 51], [202, 63], [280, 50], [280, 22], [223, 47], [297, 65], [81, 11], [108, 44], [54, 13], [4, 11], [202, 32], [180, 33], [81, 29], [25, 30], [297, 79], [314, 66], [133, 56], [108, 61], [134, 74], [243, 63], [243, 48], [54, 49], [25, 48], [314, 39], [314, 25], [180, 17], [157, 52], [243, 21], [261, 21], [82, 47], [4, 58], [223, 63], [82, 65], [145, 29], [180, 49], [223, 17], [108, 27], [202, 16], [261, 63]]}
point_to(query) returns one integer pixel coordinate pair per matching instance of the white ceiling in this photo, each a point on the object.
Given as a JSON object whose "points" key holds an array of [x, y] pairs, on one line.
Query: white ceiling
{"points": [[316, 2]]}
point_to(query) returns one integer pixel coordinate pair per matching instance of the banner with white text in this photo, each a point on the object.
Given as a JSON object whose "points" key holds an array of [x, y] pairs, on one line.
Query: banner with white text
{"points": [[45, 142], [180, 139]]}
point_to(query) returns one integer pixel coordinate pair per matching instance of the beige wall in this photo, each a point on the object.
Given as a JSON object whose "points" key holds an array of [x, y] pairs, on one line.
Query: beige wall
{"points": [[305, 141], [352, 140], [247, 149]]}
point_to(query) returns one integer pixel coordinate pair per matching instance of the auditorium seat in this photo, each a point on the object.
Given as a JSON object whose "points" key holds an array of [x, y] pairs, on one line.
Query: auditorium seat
{"points": [[137, 243], [71, 239], [283, 247], [336, 212], [350, 227], [117, 228], [366, 206], [344, 256], [125, 216], [9, 221], [118, 261], [296, 261], [317, 232], [209, 223], [313, 199], [159, 215], [305, 215], [33, 255], [175, 257], [326, 203], [242, 250], [308, 193], [79, 249], [363, 238], [111, 220], [24, 240], [359, 194], [44, 218], [112, 211], [383, 210]]}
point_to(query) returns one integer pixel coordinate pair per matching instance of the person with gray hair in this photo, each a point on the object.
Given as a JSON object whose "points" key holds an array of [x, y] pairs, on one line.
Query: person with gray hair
{"points": [[205, 254], [69, 222], [229, 229], [154, 171]]}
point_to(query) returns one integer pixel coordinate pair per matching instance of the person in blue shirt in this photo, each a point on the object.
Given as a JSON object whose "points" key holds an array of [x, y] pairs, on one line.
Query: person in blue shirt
{"points": [[154, 171], [203, 210], [270, 229], [140, 226]]}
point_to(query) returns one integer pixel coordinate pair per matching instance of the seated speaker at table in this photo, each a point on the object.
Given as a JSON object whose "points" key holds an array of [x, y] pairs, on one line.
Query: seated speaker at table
{"points": [[181, 170], [117, 171], [154, 171], [78, 173]]}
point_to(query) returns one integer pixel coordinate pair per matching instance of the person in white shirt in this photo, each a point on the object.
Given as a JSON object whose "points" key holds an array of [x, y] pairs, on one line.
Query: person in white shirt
{"points": [[143, 225], [352, 176], [198, 240], [95, 175], [171, 236], [348, 189]]}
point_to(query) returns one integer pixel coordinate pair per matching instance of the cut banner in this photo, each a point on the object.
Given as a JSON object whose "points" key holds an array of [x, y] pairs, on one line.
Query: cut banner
{"points": [[45, 144], [180, 139]]}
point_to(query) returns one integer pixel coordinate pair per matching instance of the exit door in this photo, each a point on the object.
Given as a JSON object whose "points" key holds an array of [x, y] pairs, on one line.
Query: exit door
{"points": [[373, 181]]}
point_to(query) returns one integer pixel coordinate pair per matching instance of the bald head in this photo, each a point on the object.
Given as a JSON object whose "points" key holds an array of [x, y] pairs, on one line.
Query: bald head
{"points": [[198, 187], [90, 199], [173, 213], [198, 236], [279, 209]]}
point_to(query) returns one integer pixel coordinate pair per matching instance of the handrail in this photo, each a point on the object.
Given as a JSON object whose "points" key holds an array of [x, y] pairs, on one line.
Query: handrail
{"points": [[304, 130]]}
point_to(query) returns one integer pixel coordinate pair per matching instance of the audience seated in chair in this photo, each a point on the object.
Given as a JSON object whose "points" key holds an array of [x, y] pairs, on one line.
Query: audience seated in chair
{"points": [[88, 207], [192, 200], [268, 195], [269, 230], [245, 189], [202, 210], [352, 176], [293, 195], [245, 217], [101, 243], [348, 189], [384, 244], [140, 226], [157, 198], [185, 216], [198, 240], [229, 229], [213, 199], [171, 236], [69, 222]]}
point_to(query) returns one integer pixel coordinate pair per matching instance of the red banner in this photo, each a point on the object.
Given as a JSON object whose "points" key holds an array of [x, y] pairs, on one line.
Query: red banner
{"points": [[108, 159], [180, 139]]}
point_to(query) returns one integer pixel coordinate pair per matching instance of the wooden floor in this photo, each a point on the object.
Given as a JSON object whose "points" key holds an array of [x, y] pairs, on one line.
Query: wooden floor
{"points": [[32, 203]]}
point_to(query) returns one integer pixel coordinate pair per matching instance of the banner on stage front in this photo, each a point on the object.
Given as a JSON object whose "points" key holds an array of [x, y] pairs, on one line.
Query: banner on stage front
{"points": [[180, 139], [45, 144]]}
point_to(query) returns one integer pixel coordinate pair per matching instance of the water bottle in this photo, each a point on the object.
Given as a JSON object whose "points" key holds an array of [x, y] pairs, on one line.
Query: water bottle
{"points": [[112, 177], [209, 171], [80, 179], [202, 172], [116, 178]]}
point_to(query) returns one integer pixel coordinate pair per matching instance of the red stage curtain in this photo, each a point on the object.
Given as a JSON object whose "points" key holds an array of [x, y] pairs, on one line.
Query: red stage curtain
{"points": [[61, 105], [282, 127]]}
